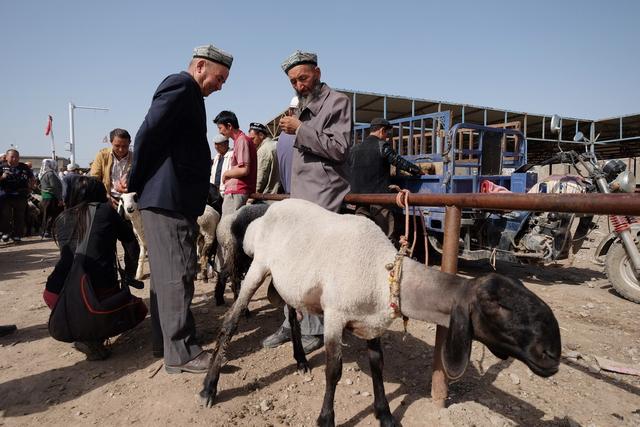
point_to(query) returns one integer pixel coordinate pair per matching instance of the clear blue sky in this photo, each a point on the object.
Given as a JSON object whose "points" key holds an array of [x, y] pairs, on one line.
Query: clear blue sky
{"points": [[576, 58]]}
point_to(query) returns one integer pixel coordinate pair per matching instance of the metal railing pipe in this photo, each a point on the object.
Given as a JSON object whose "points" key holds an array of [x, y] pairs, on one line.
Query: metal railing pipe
{"points": [[600, 204]]}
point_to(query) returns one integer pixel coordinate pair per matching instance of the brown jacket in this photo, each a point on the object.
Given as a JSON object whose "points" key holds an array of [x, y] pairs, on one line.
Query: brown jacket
{"points": [[102, 165], [319, 170]]}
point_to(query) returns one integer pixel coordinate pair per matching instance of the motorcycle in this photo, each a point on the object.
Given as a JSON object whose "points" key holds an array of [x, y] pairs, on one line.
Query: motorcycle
{"points": [[619, 252], [537, 237]]}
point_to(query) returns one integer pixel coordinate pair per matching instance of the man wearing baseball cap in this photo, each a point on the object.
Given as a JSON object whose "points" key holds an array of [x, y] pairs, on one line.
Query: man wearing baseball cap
{"points": [[170, 172], [369, 162]]}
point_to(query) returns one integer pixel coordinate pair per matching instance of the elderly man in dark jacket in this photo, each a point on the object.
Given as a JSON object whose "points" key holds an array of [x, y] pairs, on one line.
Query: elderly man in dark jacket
{"points": [[319, 170], [369, 162], [170, 172]]}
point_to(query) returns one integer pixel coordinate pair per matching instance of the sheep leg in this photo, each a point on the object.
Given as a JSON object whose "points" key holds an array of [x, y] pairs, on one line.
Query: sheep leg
{"points": [[235, 287], [221, 282], [333, 368], [141, 257], [200, 243], [204, 258], [253, 280], [380, 403], [296, 339], [208, 246]]}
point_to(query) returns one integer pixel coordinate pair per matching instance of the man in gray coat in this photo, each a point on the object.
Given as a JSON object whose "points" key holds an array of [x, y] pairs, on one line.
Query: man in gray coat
{"points": [[319, 170]]}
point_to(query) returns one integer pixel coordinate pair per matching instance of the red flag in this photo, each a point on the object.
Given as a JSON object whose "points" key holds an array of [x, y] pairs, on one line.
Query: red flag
{"points": [[47, 130]]}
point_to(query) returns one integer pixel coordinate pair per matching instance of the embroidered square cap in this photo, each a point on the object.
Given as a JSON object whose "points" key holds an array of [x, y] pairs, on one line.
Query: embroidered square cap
{"points": [[214, 54], [297, 58], [259, 127]]}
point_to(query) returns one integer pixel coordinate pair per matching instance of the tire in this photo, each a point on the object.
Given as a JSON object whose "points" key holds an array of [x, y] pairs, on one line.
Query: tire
{"points": [[620, 273]]}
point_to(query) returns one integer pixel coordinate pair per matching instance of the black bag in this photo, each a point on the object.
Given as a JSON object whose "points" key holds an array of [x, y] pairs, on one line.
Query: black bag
{"points": [[80, 316]]}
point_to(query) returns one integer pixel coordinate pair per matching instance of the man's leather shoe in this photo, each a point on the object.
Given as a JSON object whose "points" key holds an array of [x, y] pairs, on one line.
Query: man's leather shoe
{"points": [[197, 365], [311, 343], [279, 337]]}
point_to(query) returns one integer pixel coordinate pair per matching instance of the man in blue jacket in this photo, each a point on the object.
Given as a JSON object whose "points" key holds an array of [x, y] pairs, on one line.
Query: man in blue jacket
{"points": [[170, 172]]}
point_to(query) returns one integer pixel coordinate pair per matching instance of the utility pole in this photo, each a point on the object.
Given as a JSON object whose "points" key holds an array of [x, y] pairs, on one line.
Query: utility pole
{"points": [[72, 141]]}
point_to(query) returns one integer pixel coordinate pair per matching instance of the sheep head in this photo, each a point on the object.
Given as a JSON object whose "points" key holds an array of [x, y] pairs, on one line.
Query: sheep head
{"points": [[129, 202], [509, 319]]}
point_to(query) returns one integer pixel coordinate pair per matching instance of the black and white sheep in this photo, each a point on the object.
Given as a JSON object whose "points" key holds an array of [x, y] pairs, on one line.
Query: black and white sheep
{"points": [[230, 261], [334, 265], [128, 208]]}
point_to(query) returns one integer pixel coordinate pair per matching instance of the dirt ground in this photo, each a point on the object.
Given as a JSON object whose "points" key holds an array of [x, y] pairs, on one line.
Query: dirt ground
{"points": [[45, 382]]}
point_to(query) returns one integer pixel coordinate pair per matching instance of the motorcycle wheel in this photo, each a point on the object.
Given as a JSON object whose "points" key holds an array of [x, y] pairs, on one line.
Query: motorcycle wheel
{"points": [[620, 273]]}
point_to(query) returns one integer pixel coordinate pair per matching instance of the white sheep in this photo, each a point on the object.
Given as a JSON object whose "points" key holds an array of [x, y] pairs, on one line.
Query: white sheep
{"points": [[208, 224], [128, 207], [335, 265]]}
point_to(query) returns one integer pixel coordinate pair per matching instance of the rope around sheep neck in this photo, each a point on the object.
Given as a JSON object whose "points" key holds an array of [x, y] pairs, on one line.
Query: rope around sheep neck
{"points": [[395, 268]]}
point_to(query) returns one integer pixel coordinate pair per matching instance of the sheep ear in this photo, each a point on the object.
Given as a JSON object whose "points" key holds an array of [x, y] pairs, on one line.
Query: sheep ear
{"points": [[457, 349], [121, 209]]}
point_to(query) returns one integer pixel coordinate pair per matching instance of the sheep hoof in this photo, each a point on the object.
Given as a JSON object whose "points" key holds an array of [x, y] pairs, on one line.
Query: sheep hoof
{"points": [[386, 420], [206, 398], [326, 420], [303, 367]]}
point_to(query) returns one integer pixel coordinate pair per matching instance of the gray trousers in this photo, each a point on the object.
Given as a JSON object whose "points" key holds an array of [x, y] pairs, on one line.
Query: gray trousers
{"points": [[310, 324], [171, 243], [233, 202]]}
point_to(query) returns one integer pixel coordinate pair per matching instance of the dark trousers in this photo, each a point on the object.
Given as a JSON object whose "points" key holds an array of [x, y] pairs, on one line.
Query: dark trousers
{"points": [[14, 210], [171, 242], [131, 254], [50, 211]]}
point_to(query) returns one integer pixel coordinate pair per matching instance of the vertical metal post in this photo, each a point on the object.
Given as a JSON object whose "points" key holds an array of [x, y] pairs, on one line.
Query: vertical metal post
{"points": [[410, 143], [620, 128], [384, 107], [592, 137], [72, 143], [485, 117], [543, 125], [439, 384], [355, 120], [423, 147], [413, 107]]}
